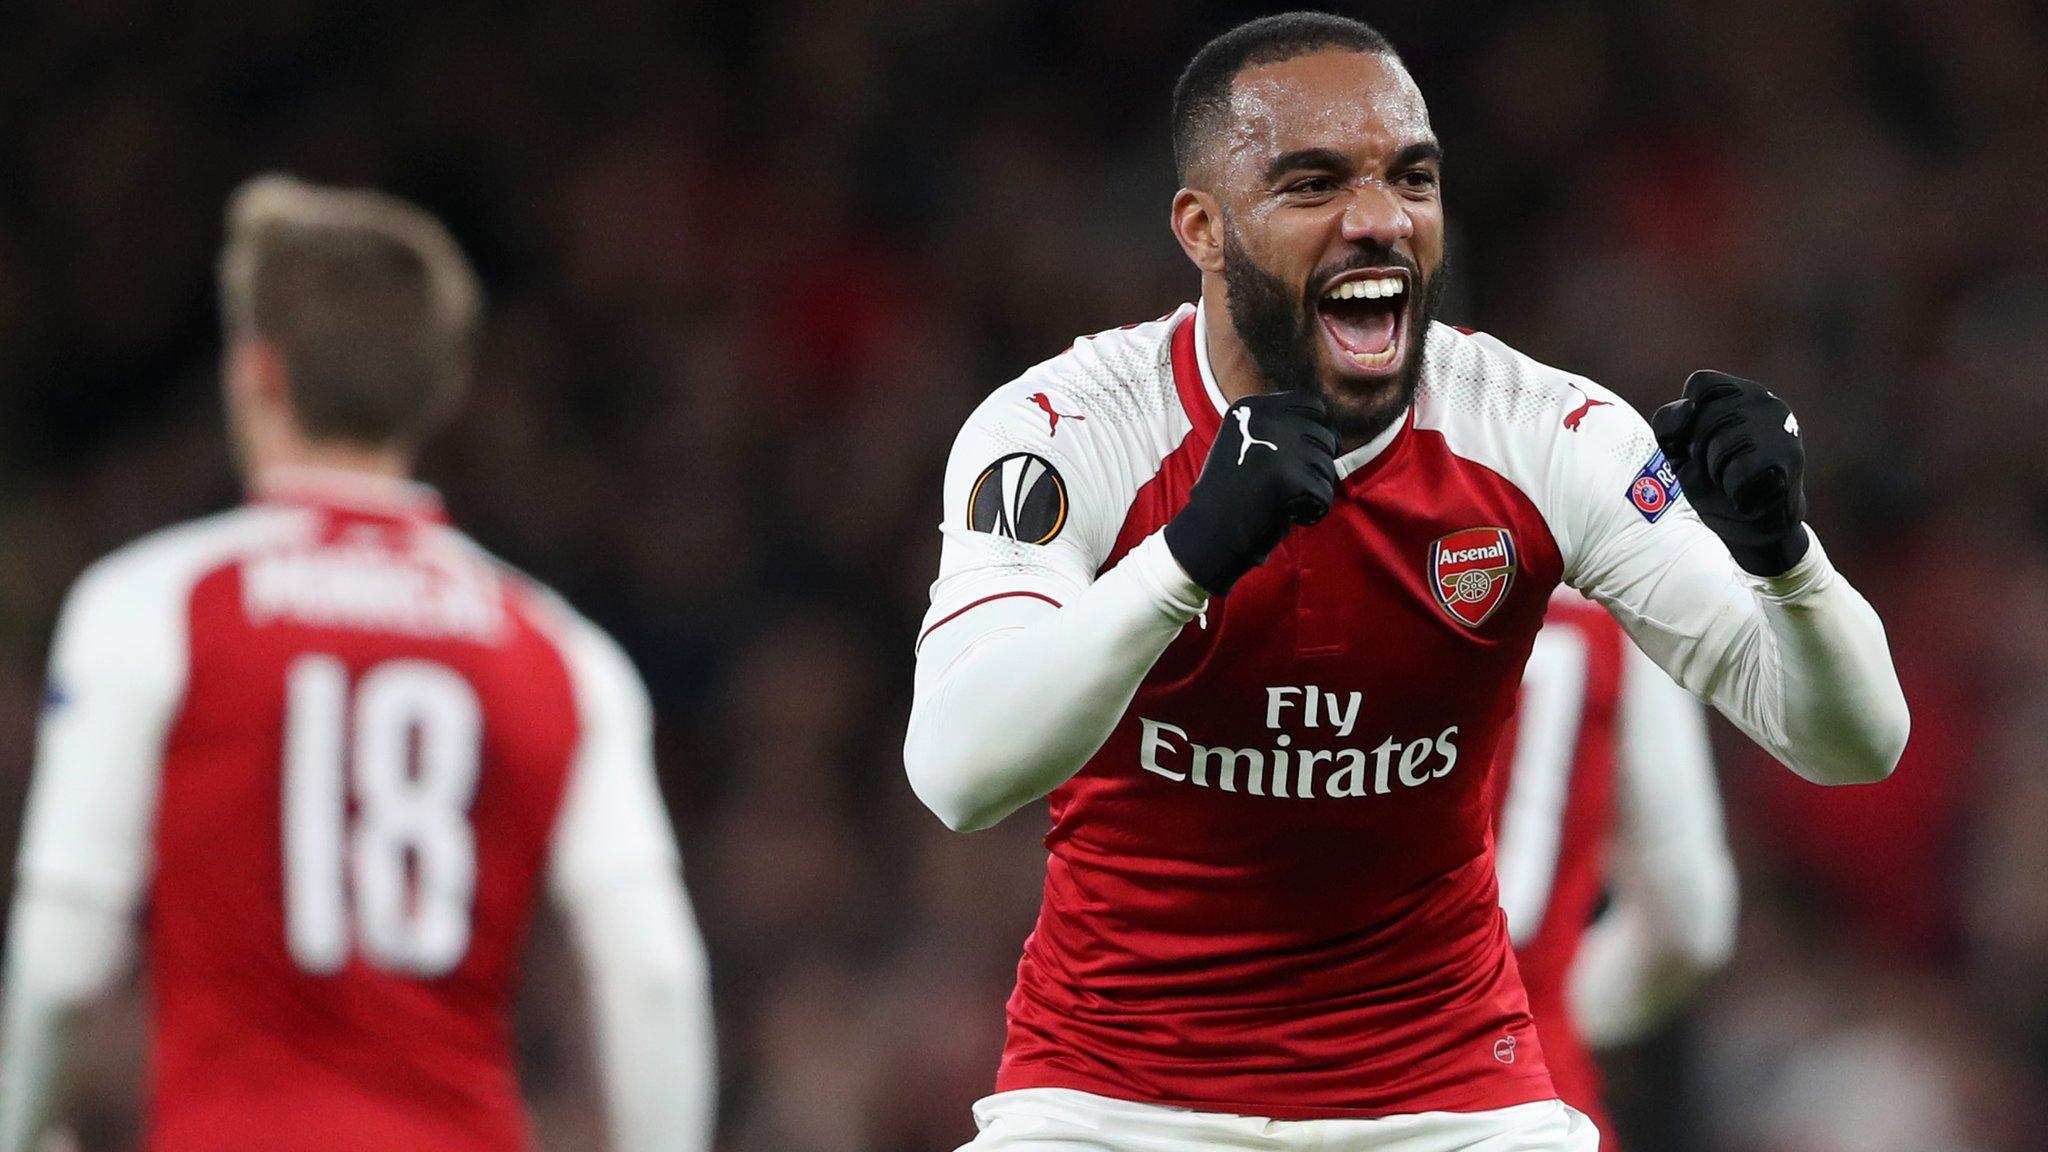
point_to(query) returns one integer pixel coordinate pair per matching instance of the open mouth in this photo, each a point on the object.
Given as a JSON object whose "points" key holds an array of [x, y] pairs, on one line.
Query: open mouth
{"points": [[1364, 314]]}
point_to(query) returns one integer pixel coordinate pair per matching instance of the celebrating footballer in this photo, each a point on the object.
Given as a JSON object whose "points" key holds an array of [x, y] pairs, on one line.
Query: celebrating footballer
{"points": [[1246, 593]]}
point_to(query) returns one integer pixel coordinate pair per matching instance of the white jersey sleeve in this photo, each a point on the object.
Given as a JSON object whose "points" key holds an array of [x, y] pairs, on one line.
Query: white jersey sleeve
{"points": [[614, 873], [1799, 661], [1027, 658], [1529, 833], [118, 664], [612, 825], [1025, 509], [1672, 917], [1672, 840], [1043, 473], [116, 676], [116, 680]]}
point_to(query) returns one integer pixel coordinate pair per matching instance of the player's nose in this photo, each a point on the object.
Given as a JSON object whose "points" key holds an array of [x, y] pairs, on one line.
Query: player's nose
{"points": [[1375, 214]]}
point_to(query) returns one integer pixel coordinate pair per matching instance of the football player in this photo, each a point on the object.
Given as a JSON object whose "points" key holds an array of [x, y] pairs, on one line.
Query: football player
{"points": [[1607, 788], [339, 752], [1254, 623]]}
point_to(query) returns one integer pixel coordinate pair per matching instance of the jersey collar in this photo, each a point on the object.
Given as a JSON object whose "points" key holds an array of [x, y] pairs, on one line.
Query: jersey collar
{"points": [[357, 491], [1347, 464]]}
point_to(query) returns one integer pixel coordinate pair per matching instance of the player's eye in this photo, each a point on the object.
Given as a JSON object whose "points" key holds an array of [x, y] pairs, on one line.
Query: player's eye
{"points": [[1311, 186], [1417, 180]]}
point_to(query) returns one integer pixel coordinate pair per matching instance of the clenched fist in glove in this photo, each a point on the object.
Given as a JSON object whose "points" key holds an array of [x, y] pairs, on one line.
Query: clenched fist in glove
{"points": [[1738, 456], [1273, 465]]}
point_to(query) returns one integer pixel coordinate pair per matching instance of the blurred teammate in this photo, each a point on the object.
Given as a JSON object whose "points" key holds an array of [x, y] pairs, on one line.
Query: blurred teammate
{"points": [[1255, 623], [1607, 783], [339, 752]]}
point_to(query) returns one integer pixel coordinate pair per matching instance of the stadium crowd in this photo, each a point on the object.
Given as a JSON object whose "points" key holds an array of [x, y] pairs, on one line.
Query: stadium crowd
{"points": [[750, 265]]}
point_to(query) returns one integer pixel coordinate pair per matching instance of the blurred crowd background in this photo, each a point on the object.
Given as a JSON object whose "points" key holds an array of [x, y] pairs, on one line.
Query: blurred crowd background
{"points": [[751, 264]]}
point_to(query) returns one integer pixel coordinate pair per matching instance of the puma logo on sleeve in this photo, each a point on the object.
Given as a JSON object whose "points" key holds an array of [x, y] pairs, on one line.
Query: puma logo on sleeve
{"points": [[1052, 414]]}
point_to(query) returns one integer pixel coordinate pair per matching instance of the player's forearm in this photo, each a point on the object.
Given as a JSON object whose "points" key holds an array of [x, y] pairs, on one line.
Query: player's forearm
{"points": [[1671, 854], [1671, 922], [651, 992], [1842, 717], [1624, 981], [1691, 898], [61, 955], [1798, 662], [1673, 877], [1004, 716], [37, 1047]]}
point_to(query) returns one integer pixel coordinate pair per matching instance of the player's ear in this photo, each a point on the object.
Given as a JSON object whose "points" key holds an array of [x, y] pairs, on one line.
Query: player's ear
{"points": [[257, 372], [258, 383], [1198, 225]]}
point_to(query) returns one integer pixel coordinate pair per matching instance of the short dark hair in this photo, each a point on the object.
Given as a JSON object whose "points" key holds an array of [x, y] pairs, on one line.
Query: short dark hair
{"points": [[368, 299], [1201, 98]]}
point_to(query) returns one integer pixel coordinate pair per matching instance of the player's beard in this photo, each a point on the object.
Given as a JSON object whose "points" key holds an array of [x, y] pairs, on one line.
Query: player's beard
{"points": [[1278, 326]]}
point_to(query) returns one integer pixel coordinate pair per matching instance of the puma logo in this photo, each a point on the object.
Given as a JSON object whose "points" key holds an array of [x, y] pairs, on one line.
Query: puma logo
{"points": [[1044, 403], [1244, 428], [1578, 415]]}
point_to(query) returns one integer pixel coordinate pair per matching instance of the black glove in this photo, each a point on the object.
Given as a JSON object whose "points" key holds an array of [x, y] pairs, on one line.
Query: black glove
{"points": [[1273, 465], [1737, 452]]}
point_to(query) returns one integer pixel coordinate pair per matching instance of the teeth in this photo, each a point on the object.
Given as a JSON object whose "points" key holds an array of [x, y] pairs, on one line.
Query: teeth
{"points": [[1366, 289]]}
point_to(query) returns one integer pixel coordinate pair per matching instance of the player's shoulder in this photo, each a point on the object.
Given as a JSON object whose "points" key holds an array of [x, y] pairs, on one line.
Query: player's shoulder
{"points": [[603, 677], [1106, 382], [1514, 412], [595, 661], [166, 563], [127, 616], [1471, 377]]}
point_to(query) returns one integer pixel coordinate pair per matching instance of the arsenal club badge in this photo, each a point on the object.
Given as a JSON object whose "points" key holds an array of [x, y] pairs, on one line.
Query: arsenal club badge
{"points": [[1471, 572]]}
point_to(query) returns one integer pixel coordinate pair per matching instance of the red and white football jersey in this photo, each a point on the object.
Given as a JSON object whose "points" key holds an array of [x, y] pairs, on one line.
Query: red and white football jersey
{"points": [[1606, 784], [1555, 819], [1271, 891], [340, 752]]}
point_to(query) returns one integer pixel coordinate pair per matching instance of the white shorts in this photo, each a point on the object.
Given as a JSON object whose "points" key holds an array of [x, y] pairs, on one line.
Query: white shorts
{"points": [[1061, 1120]]}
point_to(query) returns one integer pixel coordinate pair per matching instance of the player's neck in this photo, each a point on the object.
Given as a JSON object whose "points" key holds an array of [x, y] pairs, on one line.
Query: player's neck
{"points": [[1231, 366], [333, 457], [1230, 363]]}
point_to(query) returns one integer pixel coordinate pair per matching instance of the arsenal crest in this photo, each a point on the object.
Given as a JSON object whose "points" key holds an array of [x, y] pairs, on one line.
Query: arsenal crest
{"points": [[1471, 572]]}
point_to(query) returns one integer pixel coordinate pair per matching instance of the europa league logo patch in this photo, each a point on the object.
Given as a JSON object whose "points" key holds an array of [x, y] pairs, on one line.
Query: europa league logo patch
{"points": [[1020, 496], [1471, 572]]}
